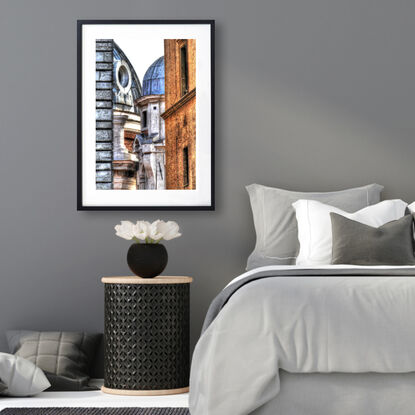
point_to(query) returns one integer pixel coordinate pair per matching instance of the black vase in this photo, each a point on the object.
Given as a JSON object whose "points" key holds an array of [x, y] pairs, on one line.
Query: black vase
{"points": [[147, 260]]}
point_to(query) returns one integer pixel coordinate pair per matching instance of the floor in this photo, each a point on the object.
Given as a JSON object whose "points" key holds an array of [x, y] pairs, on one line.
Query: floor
{"points": [[95, 399]]}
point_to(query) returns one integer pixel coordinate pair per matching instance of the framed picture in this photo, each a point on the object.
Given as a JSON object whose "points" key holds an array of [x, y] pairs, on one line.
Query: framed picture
{"points": [[145, 115]]}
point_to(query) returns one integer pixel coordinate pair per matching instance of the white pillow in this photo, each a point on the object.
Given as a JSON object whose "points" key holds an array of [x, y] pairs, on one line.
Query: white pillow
{"points": [[20, 376], [314, 226]]}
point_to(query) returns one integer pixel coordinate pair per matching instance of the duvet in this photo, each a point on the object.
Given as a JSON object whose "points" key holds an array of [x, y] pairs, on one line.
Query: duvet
{"points": [[336, 319]]}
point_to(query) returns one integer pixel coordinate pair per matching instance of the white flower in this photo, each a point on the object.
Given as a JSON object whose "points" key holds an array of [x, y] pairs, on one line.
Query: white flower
{"points": [[142, 230], [125, 230], [169, 230], [154, 233], [148, 232]]}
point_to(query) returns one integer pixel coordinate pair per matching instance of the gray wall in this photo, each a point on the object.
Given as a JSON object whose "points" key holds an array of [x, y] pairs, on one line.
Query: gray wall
{"points": [[310, 95]]}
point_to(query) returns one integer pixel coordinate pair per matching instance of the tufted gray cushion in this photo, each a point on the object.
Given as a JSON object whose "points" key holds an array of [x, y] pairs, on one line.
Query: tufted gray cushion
{"points": [[65, 357], [360, 244]]}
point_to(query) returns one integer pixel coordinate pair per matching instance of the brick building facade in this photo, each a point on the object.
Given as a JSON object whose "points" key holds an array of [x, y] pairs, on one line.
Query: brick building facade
{"points": [[180, 113]]}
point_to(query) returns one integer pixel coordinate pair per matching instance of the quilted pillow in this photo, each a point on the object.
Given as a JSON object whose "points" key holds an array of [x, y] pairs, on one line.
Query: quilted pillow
{"points": [[20, 377], [65, 357]]}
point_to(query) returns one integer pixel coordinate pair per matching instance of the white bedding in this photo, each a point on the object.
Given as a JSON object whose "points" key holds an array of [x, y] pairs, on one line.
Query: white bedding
{"points": [[325, 320], [343, 394]]}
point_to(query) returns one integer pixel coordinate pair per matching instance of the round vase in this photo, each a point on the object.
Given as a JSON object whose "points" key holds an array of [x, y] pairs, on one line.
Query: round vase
{"points": [[147, 260]]}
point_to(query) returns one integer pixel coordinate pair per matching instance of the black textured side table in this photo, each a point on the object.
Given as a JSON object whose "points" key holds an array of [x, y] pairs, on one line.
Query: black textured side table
{"points": [[146, 335]]}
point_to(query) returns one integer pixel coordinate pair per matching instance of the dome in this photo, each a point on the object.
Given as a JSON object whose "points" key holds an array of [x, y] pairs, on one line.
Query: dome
{"points": [[153, 81], [127, 84]]}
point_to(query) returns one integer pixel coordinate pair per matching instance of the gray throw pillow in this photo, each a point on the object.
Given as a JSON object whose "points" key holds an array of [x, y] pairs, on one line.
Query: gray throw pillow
{"points": [[20, 377], [276, 225], [65, 357], [359, 244]]}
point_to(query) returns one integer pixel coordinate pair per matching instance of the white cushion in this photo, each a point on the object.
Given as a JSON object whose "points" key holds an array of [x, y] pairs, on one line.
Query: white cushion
{"points": [[314, 226], [20, 376]]}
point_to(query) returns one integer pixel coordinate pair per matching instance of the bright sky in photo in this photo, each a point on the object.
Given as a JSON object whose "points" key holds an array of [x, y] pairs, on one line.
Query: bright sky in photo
{"points": [[141, 52]]}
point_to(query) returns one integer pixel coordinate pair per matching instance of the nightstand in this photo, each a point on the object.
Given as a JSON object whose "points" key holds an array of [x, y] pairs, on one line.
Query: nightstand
{"points": [[146, 335]]}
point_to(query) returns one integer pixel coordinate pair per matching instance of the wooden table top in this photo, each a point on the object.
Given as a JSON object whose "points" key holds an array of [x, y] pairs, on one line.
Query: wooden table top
{"points": [[161, 279]]}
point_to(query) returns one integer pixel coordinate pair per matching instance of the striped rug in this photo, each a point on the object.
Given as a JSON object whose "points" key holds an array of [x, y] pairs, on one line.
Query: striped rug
{"points": [[95, 411]]}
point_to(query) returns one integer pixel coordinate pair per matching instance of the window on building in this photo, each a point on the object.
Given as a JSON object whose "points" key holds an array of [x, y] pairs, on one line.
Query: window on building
{"points": [[160, 171], [186, 166], [123, 76], [184, 72], [144, 118]]}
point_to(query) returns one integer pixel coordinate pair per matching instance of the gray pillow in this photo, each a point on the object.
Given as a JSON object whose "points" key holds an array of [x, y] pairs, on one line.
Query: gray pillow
{"points": [[276, 225], [20, 377], [359, 244], [65, 357]]}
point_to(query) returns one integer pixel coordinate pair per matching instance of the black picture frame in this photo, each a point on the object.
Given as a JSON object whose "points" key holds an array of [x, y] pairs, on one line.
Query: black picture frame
{"points": [[80, 204]]}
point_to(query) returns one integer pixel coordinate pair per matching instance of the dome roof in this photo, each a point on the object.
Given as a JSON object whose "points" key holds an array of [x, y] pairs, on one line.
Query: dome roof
{"points": [[153, 81], [119, 56]]}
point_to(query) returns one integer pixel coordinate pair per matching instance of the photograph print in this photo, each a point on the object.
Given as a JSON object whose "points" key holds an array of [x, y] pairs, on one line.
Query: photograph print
{"points": [[145, 126]]}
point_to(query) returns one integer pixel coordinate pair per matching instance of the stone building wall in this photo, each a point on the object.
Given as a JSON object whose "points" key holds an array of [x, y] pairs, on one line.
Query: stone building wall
{"points": [[149, 145], [180, 114], [104, 79], [117, 117]]}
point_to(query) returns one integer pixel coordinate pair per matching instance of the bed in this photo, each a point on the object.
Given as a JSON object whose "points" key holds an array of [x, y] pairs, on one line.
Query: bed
{"points": [[294, 340], [323, 322]]}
